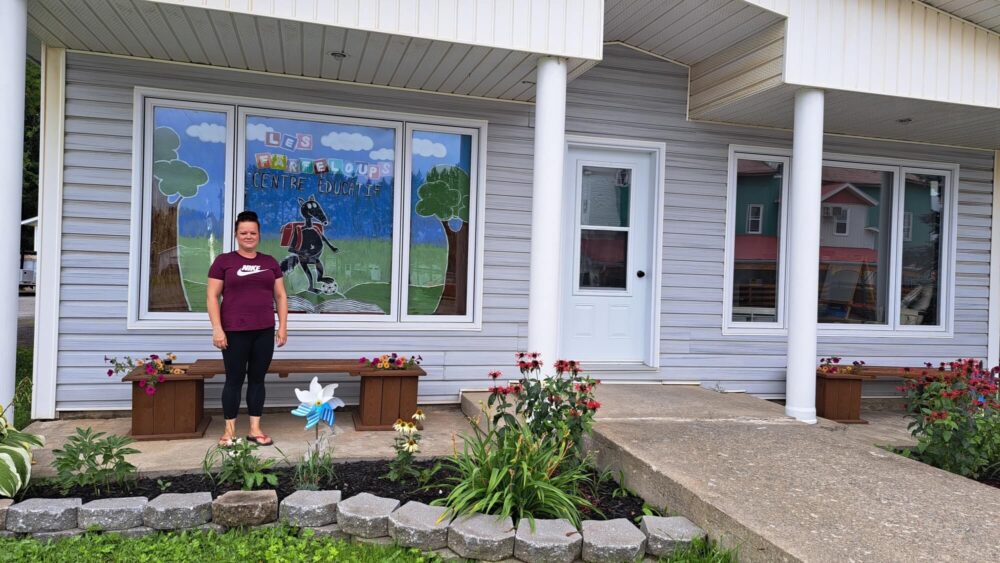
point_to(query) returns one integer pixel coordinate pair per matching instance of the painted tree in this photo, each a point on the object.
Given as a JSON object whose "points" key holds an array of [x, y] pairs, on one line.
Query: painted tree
{"points": [[173, 180], [444, 195]]}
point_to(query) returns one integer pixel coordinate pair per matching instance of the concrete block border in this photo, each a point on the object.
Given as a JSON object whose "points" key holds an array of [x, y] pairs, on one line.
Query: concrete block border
{"points": [[323, 512]]}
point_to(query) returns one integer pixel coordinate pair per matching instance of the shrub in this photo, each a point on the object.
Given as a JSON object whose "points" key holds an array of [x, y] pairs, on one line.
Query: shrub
{"points": [[955, 412], [516, 473], [89, 459], [239, 464], [15, 457], [561, 404]]}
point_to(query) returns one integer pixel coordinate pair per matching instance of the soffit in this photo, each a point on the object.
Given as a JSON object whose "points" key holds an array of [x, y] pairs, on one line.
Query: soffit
{"points": [[868, 115], [686, 31], [985, 13], [228, 39]]}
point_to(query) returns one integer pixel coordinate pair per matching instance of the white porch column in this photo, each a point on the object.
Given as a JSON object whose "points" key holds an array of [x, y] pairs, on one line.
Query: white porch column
{"points": [[546, 208], [803, 256], [13, 52]]}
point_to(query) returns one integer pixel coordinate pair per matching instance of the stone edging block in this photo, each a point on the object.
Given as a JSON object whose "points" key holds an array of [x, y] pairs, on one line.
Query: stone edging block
{"points": [[112, 513], [43, 515], [481, 536], [172, 511], [611, 541], [551, 540], [420, 525], [666, 535], [245, 508], [366, 515], [310, 508]]}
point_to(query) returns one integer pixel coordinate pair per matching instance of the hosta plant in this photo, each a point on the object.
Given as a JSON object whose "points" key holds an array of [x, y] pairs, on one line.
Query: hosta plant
{"points": [[15, 456]]}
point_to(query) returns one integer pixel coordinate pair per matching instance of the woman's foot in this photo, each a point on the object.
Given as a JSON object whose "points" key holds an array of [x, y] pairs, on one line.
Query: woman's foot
{"points": [[229, 435], [226, 441], [260, 439]]}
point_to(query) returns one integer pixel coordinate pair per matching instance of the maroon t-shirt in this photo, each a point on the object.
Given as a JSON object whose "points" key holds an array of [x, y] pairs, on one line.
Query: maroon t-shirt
{"points": [[247, 290]]}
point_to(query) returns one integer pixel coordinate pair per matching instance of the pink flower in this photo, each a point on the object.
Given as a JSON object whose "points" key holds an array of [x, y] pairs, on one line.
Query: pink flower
{"points": [[154, 357], [150, 369], [111, 372], [363, 360], [150, 390], [495, 374], [160, 379], [142, 383]]}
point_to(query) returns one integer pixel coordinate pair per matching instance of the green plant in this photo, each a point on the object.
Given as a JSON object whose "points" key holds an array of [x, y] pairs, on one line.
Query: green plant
{"points": [[406, 444], [316, 466], [15, 456], [164, 486], [22, 388], [563, 403], [701, 550], [239, 463], [94, 459], [516, 473], [649, 510], [278, 544], [955, 416]]}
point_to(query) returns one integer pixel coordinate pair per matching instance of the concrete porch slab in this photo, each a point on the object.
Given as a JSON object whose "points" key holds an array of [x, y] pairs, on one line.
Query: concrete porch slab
{"points": [[185, 456], [780, 490]]}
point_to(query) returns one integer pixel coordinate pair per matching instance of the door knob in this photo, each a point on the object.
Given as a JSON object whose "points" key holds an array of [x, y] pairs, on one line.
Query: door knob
{"points": [[640, 274]]}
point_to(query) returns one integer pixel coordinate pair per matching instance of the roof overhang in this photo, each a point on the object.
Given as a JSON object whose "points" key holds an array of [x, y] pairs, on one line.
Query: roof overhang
{"points": [[316, 41]]}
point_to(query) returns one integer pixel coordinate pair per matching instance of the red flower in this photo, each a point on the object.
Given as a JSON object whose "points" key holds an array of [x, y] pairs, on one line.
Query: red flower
{"points": [[495, 374], [593, 405], [363, 360], [111, 372]]}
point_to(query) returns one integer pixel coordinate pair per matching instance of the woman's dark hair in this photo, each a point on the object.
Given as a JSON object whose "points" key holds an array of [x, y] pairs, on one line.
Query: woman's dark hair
{"points": [[246, 217]]}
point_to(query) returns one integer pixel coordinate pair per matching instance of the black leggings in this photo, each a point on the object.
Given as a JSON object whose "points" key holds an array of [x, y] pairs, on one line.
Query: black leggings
{"points": [[248, 354]]}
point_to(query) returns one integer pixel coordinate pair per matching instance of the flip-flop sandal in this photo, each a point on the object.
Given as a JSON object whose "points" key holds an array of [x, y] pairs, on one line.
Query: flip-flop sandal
{"points": [[262, 440]]}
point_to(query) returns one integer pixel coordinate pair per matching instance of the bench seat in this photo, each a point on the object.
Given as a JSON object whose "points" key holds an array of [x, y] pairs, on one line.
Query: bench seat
{"points": [[208, 369]]}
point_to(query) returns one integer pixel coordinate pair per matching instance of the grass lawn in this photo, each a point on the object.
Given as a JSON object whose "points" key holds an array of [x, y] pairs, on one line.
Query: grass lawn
{"points": [[272, 545]]}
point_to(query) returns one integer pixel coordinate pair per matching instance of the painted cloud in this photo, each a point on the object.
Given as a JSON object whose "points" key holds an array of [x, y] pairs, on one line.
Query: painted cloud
{"points": [[207, 132], [426, 147], [382, 154], [256, 131], [347, 141]]}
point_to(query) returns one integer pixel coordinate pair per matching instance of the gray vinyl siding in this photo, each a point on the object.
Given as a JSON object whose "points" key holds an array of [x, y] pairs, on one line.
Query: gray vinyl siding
{"points": [[627, 96]]}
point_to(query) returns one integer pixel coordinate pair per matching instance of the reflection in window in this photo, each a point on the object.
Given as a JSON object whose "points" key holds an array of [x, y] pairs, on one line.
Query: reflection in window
{"points": [[187, 194], [439, 223], [603, 259], [923, 201], [324, 192], [758, 208], [854, 245]]}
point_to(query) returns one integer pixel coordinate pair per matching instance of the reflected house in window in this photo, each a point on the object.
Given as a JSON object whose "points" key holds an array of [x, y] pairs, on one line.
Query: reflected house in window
{"points": [[758, 212]]}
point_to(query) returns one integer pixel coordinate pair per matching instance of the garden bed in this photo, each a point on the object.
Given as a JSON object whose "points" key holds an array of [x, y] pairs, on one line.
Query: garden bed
{"points": [[352, 478]]}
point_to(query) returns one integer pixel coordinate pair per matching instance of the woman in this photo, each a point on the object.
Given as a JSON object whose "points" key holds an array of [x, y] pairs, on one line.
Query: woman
{"points": [[251, 288]]}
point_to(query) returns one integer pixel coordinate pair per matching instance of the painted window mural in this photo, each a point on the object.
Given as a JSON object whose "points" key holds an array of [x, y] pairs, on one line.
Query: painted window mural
{"points": [[325, 192], [440, 206], [187, 173]]}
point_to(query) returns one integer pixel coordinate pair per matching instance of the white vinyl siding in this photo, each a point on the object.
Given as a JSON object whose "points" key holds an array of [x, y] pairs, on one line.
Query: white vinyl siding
{"points": [[629, 95]]}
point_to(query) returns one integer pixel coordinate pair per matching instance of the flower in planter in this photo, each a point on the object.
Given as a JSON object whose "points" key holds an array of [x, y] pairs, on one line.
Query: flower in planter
{"points": [[392, 361], [317, 403], [155, 369]]}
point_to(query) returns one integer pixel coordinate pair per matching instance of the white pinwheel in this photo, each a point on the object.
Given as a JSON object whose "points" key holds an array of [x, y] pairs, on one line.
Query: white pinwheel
{"points": [[317, 403]]}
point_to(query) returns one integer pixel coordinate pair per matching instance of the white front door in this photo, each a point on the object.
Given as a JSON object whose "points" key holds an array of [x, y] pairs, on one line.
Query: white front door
{"points": [[607, 307]]}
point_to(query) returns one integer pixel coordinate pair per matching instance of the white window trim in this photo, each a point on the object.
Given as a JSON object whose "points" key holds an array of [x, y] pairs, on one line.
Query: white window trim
{"points": [[759, 218], [474, 213], [949, 221], [846, 222], [760, 328], [198, 322]]}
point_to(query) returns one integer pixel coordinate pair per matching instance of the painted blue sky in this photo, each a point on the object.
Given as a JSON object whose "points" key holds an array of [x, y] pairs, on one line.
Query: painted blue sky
{"points": [[432, 149], [203, 144]]}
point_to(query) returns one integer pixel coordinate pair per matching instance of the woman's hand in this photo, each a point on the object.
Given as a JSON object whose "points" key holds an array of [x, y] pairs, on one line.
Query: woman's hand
{"points": [[281, 337], [219, 339]]}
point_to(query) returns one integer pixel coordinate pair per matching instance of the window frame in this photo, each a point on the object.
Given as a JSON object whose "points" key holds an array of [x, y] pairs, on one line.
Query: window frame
{"points": [[893, 327], [776, 327], [837, 222], [759, 218], [138, 317]]}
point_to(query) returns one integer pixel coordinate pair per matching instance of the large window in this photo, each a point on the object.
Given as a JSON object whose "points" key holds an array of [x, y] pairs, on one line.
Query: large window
{"points": [[884, 252], [373, 220]]}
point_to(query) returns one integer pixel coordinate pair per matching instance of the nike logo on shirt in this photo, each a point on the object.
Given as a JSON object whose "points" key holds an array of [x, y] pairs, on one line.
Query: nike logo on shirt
{"points": [[248, 270]]}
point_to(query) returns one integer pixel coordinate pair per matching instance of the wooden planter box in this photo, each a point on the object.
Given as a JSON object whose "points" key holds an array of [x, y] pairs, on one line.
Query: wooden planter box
{"points": [[174, 412], [386, 395], [838, 396]]}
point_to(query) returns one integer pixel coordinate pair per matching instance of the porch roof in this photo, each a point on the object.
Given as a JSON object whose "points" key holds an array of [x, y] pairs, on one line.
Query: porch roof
{"points": [[210, 32]]}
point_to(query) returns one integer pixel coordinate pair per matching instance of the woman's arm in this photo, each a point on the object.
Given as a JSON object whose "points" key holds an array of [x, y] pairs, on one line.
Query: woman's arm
{"points": [[215, 314], [281, 304]]}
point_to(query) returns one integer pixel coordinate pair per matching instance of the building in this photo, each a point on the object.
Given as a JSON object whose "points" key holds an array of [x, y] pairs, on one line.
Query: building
{"points": [[673, 191]]}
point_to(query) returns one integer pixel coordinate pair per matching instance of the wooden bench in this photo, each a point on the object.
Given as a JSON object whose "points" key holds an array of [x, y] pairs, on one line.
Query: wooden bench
{"points": [[386, 395], [838, 395]]}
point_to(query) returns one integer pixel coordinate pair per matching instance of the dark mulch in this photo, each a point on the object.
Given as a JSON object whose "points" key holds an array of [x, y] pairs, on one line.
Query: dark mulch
{"points": [[352, 478]]}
